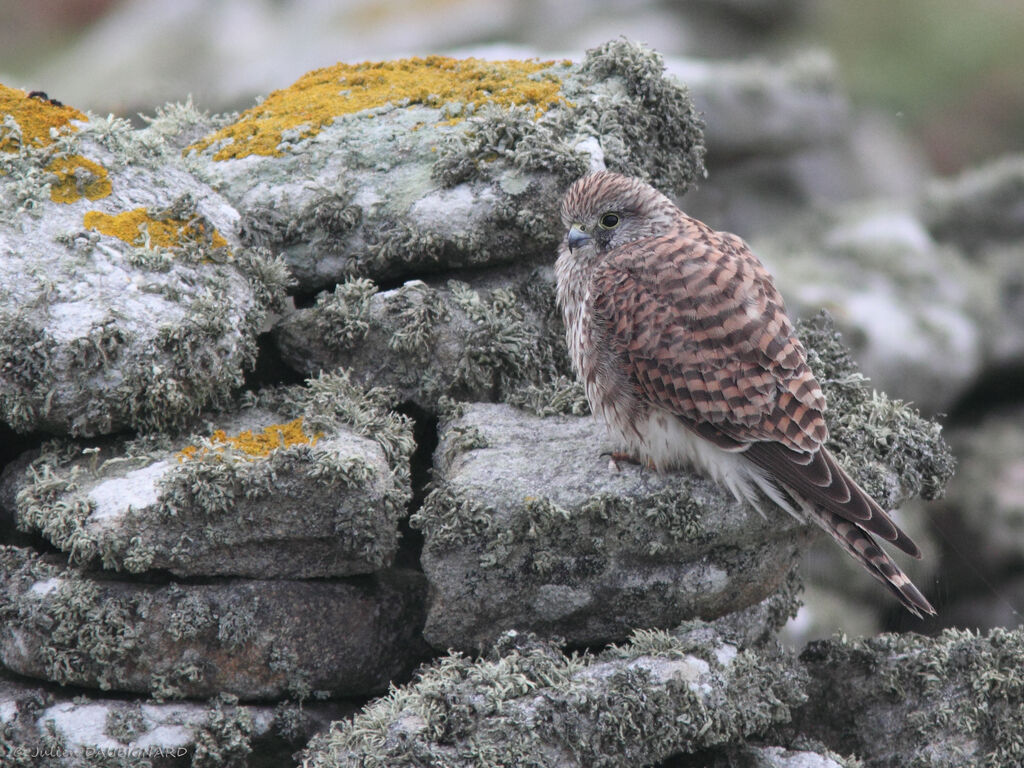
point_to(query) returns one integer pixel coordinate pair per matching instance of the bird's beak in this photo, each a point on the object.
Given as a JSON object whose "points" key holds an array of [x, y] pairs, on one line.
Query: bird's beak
{"points": [[577, 237]]}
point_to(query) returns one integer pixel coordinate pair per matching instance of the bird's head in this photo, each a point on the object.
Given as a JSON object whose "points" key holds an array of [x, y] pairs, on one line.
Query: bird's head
{"points": [[605, 210]]}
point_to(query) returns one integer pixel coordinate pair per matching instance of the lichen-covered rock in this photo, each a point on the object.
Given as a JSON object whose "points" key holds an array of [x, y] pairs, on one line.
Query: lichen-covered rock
{"points": [[42, 728], [528, 529], [935, 702], [915, 313], [757, 756], [256, 639], [305, 482], [495, 336], [527, 703], [125, 299], [393, 169]]}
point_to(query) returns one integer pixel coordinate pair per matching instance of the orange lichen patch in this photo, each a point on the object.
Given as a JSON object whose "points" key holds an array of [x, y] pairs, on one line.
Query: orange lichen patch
{"points": [[78, 177], [35, 117], [318, 97], [138, 227], [256, 444]]}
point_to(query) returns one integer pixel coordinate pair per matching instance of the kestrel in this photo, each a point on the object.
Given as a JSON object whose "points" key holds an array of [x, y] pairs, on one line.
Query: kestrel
{"points": [[684, 347]]}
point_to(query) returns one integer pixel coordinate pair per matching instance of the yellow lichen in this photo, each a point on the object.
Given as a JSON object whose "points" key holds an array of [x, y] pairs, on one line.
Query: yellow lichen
{"points": [[138, 227], [36, 117], [73, 184], [255, 444], [318, 97]]}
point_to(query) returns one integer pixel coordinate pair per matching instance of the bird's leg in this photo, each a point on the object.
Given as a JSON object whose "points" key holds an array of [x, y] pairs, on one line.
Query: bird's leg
{"points": [[615, 457]]}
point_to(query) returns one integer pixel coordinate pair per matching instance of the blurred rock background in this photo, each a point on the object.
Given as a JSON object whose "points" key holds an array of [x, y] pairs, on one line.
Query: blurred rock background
{"points": [[869, 151]]}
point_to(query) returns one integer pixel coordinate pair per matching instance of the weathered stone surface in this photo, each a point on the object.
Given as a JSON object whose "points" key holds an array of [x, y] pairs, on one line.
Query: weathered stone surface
{"points": [[528, 529], [255, 639], [125, 299], [41, 727], [753, 756], [528, 703], [401, 168], [951, 700], [305, 482], [491, 337], [915, 313]]}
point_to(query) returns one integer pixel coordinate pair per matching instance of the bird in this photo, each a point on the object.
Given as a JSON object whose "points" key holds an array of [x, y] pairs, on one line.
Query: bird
{"points": [[684, 349]]}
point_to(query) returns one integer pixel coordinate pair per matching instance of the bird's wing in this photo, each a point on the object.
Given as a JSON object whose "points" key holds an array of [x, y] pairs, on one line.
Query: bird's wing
{"points": [[703, 333], [705, 336]]}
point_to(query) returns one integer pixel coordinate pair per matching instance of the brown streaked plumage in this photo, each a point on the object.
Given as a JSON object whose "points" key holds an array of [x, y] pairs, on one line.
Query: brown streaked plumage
{"points": [[684, 347]]}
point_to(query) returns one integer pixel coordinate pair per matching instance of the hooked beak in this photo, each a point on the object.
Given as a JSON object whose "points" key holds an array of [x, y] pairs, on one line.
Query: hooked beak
{"points": [[577, 237]]}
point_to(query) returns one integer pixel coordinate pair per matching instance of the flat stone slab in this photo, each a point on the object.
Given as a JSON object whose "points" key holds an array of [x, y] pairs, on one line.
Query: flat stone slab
{"points": [[255, 639], [489, 337], [42, 727], [945, 701], [528, 529], [395, 169], [306, 482], [527, 703], [126, 300]]}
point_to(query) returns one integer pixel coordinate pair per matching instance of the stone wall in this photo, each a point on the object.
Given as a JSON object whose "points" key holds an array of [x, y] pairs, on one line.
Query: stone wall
{"points": [[287, 413]]}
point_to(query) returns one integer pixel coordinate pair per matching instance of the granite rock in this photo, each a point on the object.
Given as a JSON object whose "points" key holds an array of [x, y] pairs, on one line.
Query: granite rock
{"points": [[305, 482], [527, 702], [397, 169], [496, 335], [126, 300], [950, 700], [254, 639]]}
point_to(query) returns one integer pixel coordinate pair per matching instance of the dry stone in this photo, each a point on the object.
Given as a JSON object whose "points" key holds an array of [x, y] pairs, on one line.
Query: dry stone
{"points": [[395, 169], [950, 700], [529, 703], [255, 639], [40, 727], [528, 529], [305, 482], [125, 299], [492, 336]]}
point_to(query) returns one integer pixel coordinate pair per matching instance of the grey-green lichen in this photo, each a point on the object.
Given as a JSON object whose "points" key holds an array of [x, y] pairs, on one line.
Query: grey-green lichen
{"points": [[127, 724], [197, 499], [648, 128], [332, 398], [452, 520], [342, 313], [920, 702], [499, 338], [888, 446], [224, 740], [88, 632], [527, 703]]}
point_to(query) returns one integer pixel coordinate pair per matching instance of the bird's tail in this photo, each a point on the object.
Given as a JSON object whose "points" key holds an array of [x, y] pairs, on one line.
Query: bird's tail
{"points": [[862, 546]]}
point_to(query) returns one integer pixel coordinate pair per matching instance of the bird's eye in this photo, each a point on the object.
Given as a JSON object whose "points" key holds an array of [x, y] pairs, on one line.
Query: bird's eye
{"points": [[609, 221]]}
